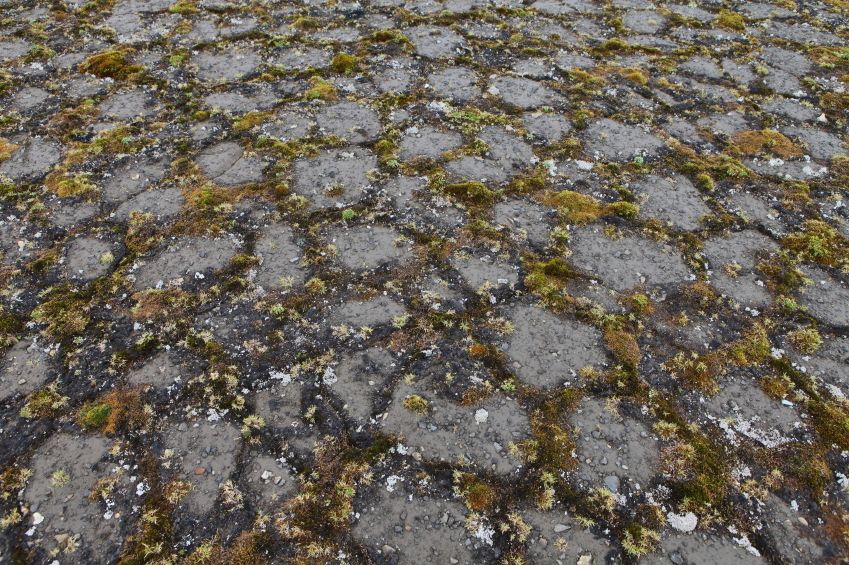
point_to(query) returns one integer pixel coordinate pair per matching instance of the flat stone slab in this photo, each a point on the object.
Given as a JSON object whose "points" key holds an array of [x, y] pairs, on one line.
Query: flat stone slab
{"points": [[523, 92], [674, 200], [483, 271], [225, 66], [162, 371], [202, 454], [89, 258], [65, 471], [281, 408], [455, 83], [335, 177], [732, 261], [413, 529], [280, 258], [162, 204], [352, 122], [369, 247], [557, 538], [129, 104], [613, 450], [32, 160], [226, 164], [358, 377], [436, 429], [698, 547], [545, 349], [269, 481], [133, 176], [25, 368], [627, 262], [613, 141], [830, 363], [183, 260], [427, 141], [367, 313], [435, 42], [526, 220], [826, 297]]}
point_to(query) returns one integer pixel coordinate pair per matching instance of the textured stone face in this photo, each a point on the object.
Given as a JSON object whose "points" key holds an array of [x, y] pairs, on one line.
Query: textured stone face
{"points": [[423, 281]]}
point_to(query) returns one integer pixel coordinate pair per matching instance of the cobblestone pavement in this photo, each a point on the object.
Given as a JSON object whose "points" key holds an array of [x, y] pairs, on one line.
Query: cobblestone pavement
{"points": [[430, 281]]}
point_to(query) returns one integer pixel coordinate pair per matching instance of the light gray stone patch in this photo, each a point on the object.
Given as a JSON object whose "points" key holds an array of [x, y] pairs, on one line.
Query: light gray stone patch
{"points": [[416, 204], [395, 78], [269, 481], [526, 220], [545, 350], [477, 435], [162, 204], [134, 28], [161, 371], [830, 363], [84, 87], [228, 65], [741, 73], [702, 548], [129, 104], [508, 156], [202, 131], [546, 126], [484, 271], [565, 7], [795, 540], [288, 126], [455, 83], [366, 313], [643, 21], [692, 12], [352, 122], [65, 472], [701, 66], [184, 259], [755, 210], [567, 60], [611, 140], [359, 376], [88, 258], [68, 215], [652, 41], [427, 141], [24, 369], [535, 68], [613, 450], [282, 410], [732, 263], [743, 410], [204, 455], [802, 33], [683, 130], [557, 538], [29, 98], [31, 160], [821, 145], [763, 11], [725, 124], [240, 102], [674, 200], [827, 298], [280, 258], [335, 177], [803, 169], [369, 247], [690, 87], [435, 42], [523, 92], [209, 30], [790, 108], [595, 294], [413, 529], [301, 58], [13, 49], [132, 176], [783, 82], [627, 262], [790, 61], [226, 164]]}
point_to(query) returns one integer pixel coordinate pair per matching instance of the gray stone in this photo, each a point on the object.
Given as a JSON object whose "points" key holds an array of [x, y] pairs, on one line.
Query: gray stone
{"points": [[226, 164], [185, 258], [368, 247], [352, 122], [32, 160], [88, 258], [825, 297], [674, 200], [614, 141], [24, 369], [280, 258], [335, 177], [733, 260]]}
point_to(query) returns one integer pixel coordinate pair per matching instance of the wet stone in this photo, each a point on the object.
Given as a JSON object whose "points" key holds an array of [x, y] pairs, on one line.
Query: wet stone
{"points": [[546, 350], [280, 258], [24, 369], [613, 450], [227, 165], [202, 454], [436, 429], [369, 247], [334, 178], [674, 200], [183, 260], [413, 529], [732, 262], [89, 258], [352, 122], [611, 140], [627, 262]]}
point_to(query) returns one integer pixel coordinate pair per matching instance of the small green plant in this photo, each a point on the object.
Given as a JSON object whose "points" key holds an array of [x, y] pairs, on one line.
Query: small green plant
{"points": [[94, 416], [416, 403], [348, 214]]}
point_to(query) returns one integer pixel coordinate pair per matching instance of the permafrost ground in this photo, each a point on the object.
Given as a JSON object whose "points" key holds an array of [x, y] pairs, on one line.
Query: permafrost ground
{"points": [[460, 281]]}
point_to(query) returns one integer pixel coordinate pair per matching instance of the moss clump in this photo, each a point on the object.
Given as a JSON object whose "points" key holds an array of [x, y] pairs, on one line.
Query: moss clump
{"points": [[472, 193], [94, 416], [638, 76], [7, 148], [45, 402], [805, 340], [624, 347], [320, 89], [344, 63], [415, 403], [574, 207], [184, 7], [111, 63], [623, 209], [66, 185], [754, 142], [478, 495], [730, 20], [65, 313], [820, 243]]}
